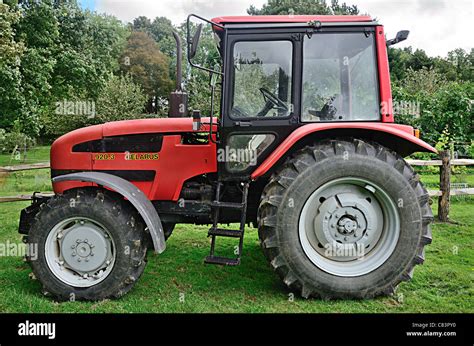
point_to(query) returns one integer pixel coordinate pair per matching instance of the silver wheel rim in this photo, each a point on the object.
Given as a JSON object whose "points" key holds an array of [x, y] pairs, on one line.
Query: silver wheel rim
{"points": [[80, 252], [349, 227]]}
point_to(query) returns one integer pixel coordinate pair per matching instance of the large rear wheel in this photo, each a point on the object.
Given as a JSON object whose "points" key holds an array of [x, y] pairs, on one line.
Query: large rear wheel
{"points": [[344, 219]]}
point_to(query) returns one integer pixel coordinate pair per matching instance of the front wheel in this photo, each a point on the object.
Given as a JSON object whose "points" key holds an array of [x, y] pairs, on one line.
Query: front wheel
{"points": [[344, 219], [91, 245]]}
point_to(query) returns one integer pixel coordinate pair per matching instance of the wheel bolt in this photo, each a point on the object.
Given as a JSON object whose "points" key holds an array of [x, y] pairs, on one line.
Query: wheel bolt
{"points": [[60, 235], [73, 246], [107, 262], [82, 222], [78, 259], [85, 276], [345, 238], [73, 253]]}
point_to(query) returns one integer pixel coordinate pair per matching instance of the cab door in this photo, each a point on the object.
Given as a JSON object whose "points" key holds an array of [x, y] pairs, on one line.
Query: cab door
{"points": [[260, 104]]}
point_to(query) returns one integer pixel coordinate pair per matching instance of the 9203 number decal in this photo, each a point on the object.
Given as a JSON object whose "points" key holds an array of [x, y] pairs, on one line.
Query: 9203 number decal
{"points": [[104, 157]]}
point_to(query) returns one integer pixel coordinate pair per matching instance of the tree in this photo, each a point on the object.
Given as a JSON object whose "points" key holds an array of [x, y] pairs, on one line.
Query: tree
{"points": [[321, 7], [39, 29], [12, 100], [442, 104], [463, 63], [141, 23], [148, 67], [120, 99], [69, 54]]}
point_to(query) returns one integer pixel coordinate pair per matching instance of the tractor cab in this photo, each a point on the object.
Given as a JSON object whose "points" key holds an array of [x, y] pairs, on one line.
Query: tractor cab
{"points": [[280, 73]]}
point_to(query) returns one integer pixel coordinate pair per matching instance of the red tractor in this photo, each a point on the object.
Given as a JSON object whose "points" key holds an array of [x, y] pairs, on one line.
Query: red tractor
{"points": [[305, 148]]}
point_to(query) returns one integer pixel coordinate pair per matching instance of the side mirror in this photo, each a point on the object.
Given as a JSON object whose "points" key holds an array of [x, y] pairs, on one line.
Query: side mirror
{"points": [[195, 41], [401, 36], [192, 43]]}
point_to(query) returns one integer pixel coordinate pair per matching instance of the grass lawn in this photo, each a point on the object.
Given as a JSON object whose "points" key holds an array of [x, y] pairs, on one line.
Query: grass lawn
{"points": [[35, 155], [443, 284]]}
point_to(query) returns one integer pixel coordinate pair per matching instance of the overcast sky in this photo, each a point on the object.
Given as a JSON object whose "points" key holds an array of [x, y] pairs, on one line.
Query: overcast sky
{"points": [[437, 26]]}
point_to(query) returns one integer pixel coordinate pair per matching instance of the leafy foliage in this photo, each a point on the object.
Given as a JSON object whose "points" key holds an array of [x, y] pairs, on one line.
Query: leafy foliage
{"points": [[277, 7], [147, 66], [11, 51], [443, 105], [119, 99]]}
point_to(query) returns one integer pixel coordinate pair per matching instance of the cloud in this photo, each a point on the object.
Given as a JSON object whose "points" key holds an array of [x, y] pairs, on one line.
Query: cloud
{"points": [[175, 10], [437, 26]]}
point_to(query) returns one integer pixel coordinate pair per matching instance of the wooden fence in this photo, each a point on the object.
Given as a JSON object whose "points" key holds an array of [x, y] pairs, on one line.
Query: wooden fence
{"points": [[443, 193]]}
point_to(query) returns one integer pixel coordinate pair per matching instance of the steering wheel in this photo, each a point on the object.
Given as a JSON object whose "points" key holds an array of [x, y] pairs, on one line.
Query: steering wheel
{"points": [[271, 102], [329, 110]]}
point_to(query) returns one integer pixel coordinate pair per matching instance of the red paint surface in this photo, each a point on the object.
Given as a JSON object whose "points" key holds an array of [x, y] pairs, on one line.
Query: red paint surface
{"points": [[384, 77], [289, 19], [402, 131], [177, 162]]}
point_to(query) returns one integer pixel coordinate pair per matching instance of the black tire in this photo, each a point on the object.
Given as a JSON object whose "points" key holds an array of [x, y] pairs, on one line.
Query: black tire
{"points": [[121, 221], [316, 165], [168, 228]]}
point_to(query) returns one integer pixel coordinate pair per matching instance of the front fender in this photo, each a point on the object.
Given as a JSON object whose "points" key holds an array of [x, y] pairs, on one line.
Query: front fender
{"points": [[138, 199], [401, 138]]}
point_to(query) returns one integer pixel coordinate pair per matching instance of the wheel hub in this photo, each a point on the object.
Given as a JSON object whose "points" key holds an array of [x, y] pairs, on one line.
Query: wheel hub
{"points": [[84, 248], [346, 226], [80, 252], [343, 221]]}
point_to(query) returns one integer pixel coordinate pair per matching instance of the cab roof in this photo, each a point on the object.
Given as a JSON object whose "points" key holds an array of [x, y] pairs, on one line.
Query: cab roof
{"points": [[290, 19]]}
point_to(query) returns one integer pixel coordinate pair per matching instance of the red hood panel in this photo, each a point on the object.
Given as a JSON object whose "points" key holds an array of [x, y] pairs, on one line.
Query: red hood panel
{"points": [[155, 125]]}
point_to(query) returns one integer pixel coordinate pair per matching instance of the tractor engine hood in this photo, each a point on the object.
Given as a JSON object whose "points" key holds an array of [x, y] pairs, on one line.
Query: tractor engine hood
{"points": [[62, 150]]}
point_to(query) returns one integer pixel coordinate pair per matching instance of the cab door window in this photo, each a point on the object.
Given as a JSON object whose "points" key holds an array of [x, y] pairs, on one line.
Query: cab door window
{"points": [[262, 79]]}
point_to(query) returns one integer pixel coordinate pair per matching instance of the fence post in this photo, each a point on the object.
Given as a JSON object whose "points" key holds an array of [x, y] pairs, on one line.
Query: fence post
{"points": [[444, 186]]}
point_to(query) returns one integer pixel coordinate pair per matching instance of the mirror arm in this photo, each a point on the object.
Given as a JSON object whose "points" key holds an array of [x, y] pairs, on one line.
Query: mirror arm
{"points": [[189, 41]]}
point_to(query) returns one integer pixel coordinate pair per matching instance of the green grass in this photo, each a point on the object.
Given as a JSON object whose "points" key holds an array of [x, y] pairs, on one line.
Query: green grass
{"points": [[443, 284], [36, 154]]}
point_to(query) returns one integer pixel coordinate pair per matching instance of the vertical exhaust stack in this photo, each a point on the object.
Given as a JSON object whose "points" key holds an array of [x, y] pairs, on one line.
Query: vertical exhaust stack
{"points": [[179, 98]]}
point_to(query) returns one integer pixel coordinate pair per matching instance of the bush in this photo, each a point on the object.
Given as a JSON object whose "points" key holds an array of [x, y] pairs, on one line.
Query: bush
{"points": [[11, 140], [443, 105], [120, 99]]}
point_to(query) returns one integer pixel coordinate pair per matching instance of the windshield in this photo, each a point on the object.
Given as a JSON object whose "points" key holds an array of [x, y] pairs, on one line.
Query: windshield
{"points": [[339, 77]]}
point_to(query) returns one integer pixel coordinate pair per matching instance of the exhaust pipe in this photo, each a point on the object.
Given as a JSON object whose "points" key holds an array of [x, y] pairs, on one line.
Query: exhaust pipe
{"points": [[178, 103]]}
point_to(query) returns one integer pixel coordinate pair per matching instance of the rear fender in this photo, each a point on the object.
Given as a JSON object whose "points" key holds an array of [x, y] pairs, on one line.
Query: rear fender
{"points": [[138, 199], [399, 138]]}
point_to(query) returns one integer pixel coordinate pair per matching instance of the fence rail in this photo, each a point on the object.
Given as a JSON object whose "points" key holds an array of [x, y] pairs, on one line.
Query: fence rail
{"points": [[445, 192], [26, 167], [454, 162]]}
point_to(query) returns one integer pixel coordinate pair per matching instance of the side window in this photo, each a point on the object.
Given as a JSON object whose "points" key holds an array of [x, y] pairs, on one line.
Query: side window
{"points": [[339, 78], [243, 150], [262, 79]]}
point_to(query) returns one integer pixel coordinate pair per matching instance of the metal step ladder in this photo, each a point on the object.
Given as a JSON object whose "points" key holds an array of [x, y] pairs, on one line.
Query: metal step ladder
{"points": [[215, 231]]}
